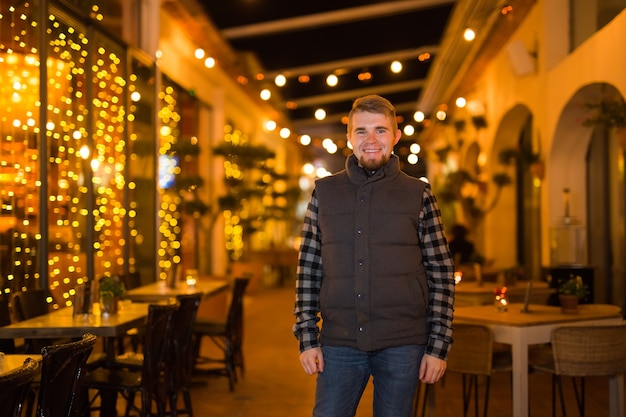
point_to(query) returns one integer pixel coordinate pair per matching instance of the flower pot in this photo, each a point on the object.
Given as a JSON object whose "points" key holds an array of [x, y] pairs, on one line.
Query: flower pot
{"points": [[569, 303], [108, 303]]}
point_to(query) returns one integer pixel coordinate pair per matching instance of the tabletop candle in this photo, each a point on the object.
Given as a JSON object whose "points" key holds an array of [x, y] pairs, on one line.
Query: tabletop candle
{"points": [[501, 299]]}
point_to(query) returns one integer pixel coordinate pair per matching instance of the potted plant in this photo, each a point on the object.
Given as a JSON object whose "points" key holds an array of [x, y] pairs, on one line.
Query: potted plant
{"points": [[571, 291], [608, 113], [111, 288]]}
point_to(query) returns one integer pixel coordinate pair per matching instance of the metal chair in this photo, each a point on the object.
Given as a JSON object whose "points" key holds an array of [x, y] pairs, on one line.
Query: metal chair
{"points": [[29, 304], [132, 280], [62, 368], [182, 358], [6, 345], [133, 336], [579, 352], [472, 355], [152, 378], [227, 336], [14, 387], [181, 365]]}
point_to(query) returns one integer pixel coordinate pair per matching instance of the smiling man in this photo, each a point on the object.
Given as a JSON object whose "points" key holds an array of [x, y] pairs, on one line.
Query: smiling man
{"points": [[375, 267]]}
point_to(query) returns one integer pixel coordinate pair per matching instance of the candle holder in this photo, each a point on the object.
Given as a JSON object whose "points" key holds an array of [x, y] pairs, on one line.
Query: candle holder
{"points": [[191, 278], [501, 299]]}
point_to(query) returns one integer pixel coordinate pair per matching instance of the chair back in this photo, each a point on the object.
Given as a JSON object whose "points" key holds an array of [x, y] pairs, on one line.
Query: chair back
{"points": [[157, 359], [472, 349], [6, 345], [62, 368], [131, 280], [234, 319], [14, 386], [29, 304], [589, 350], [182, 357]]}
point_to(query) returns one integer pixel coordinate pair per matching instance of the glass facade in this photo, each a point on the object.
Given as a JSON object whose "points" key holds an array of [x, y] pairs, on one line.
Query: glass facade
{"points": [[77, 153], [106, 164]]}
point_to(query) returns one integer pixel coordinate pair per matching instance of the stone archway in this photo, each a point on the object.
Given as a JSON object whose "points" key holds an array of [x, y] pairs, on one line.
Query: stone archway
{"points": [[588, 163], [517, 215]]}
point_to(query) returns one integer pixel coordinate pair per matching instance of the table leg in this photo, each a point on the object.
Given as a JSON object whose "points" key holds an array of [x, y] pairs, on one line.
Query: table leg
{"points": [[110, 349], [520, 374], [108, 403], [616, 396]]}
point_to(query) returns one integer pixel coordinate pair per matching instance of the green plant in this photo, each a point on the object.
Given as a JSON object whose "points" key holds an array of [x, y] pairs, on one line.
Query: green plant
{"points": [[477, 258], [523, 155], [112, 284], [608, 112], [514, 273], [573, 286]]}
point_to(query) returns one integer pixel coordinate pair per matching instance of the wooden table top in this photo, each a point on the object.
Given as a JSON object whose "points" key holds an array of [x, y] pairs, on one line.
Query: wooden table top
{"points": [[14, 361], [472, 287], [159, 291], [537, 315], [63, 324]]}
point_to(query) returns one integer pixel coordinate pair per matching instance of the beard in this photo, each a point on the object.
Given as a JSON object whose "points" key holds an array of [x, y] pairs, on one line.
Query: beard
{"points": [[373, 164]]}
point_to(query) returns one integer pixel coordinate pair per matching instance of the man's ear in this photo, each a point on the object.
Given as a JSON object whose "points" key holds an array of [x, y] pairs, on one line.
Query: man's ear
{"points": [[398, 136]]}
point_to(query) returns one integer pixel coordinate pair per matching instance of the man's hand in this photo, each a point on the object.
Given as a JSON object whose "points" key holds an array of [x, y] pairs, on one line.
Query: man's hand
{"points": [[431, 369], [312, 361]]}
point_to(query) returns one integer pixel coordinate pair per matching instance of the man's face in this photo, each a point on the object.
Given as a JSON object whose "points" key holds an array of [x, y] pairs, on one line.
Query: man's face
{"points": [[372, 138]]}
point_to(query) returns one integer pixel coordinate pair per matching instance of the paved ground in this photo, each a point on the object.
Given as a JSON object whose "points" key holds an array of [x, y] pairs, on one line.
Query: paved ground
{"points": [[274, 384]]}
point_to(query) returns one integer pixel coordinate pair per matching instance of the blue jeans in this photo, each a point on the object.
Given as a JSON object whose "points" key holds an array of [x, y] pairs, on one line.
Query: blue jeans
{"points": [[394, 371]]}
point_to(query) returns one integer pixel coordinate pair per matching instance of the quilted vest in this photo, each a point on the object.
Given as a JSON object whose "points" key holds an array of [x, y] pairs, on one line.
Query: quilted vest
{"points": [[374, 291]]}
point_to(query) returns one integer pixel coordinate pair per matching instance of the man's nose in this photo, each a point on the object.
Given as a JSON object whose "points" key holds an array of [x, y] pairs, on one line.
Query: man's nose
{"points": [[369, 136]]}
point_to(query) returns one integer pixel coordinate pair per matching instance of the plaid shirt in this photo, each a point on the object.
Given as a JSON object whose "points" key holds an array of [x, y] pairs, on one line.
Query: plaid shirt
{"points": [[437, 261]]}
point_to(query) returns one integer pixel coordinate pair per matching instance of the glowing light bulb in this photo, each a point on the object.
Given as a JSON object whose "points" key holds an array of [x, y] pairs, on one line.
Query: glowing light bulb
{"points": [[265, 94], [209, 62], [280, 80], [305, 140], [320, 114]]}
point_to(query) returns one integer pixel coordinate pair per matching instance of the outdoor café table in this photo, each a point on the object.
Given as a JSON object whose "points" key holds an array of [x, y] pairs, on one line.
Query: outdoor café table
{"points": [[13, 361], [63, 324], [160, 291], [475, 294], [520, 330]]}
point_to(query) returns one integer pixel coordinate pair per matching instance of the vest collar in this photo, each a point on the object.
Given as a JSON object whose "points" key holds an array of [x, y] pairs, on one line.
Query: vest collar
{"points": [[358, 174]]}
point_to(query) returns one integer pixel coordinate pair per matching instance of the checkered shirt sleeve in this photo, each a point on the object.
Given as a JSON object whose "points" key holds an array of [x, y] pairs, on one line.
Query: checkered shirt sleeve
{"points": [[440, 271], [308, 281]]}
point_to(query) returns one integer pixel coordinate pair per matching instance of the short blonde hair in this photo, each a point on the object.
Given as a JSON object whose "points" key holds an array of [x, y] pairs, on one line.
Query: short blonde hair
{"points": [[373, 104]]}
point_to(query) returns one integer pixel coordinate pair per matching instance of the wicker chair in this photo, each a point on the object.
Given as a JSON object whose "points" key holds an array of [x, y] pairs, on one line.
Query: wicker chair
{"points": [[579, 352], [472, 355], [14, 386]]}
